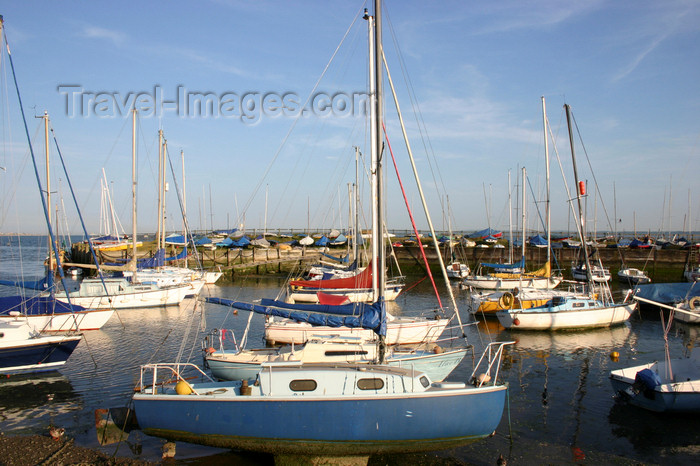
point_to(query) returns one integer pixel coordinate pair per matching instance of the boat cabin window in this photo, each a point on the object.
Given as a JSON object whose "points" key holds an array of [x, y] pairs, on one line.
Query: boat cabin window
{"points": [[302, 385], [424, 381], [577, 304], [370, 384], [346, 353], [558, 300]]}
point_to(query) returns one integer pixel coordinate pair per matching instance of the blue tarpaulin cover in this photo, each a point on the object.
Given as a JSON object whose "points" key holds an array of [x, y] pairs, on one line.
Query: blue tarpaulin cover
{"points": [[517, 265], [241, 243], [538, 240], [667, 293], [485, 233], [41, 285], [322, 241], [367, 316], [38, 305]]}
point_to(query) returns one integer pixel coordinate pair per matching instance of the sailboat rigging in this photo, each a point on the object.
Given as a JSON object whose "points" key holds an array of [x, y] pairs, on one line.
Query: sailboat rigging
{"points": [[596, 309], [292, 408]]}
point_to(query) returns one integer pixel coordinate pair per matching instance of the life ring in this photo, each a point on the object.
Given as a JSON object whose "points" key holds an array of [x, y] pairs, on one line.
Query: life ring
{"points": [[506, 300], [694, 303]]}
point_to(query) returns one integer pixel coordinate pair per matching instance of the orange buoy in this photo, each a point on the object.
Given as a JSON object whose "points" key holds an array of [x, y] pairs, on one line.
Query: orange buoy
{"points": [[210, 350], [614, 356], [516, 321], [582, 188]]}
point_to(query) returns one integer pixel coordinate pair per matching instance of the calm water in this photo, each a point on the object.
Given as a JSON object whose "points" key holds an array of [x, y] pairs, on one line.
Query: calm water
{"points": [[561, 406]]}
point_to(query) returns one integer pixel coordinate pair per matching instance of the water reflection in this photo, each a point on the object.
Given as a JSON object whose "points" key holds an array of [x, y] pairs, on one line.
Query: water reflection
{"points": [[560, 398], [34, 400]]}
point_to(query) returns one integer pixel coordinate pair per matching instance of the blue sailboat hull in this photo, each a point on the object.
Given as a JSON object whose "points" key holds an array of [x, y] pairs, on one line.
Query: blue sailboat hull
{"points": [[40, 356], [337, 426]]}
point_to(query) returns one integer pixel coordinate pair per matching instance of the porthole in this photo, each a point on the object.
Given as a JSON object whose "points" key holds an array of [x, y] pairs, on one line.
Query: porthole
{"points": [[370, 384], [302, 385], [424, 381]]}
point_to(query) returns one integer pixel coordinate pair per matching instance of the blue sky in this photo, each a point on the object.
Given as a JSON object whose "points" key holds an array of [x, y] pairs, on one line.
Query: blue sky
{"points": [[477, 70]]}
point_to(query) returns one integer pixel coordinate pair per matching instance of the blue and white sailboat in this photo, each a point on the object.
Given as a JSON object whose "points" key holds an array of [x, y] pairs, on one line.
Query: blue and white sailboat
{"points": [[23, 348], [240, 364], [42, 311], [294, 408], [595, 309]]}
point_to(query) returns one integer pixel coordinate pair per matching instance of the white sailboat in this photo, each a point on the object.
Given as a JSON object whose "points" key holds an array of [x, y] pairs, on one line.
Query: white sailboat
{"points": [[168, 275], [671, 385], [455, 269], [539, 279], [483, 302], [573, 312], [120, 293], [246, 364], [23, 316]]}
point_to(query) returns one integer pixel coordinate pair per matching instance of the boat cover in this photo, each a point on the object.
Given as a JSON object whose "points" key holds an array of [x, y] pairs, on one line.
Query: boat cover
{"points": [[538, 240], [241, 243], [337, 259], [225, 243], [485, 233], [517, 265], [41, 285], [322, 241], [340, 239], [37, 305], [667, 293], [357, 315], [175, 239]]}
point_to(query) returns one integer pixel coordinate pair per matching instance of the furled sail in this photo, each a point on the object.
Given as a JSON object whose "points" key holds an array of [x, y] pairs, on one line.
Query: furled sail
{"points": [[367, 316]]}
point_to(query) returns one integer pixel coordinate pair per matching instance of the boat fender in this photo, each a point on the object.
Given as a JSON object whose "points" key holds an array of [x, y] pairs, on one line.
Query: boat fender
{"points": [[210, 350], [482, 379], [183, 388], [437, 349], [694, 303], [516, 321], [506, 300]]}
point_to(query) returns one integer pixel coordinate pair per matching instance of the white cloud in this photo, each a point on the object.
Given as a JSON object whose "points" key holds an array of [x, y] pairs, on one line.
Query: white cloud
{"points": [[95, 32]]}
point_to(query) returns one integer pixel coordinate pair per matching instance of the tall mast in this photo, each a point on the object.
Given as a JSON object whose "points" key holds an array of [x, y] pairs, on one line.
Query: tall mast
{"points": [[378, 80], [356, 197], [48, 187], [375, 92], [523, 218], [184, 205], [548, 212], [133, 193], [165, 189], [349, 230], [580, 224], [375, 145], [160, 189], [267, 188], [510, 222]]}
